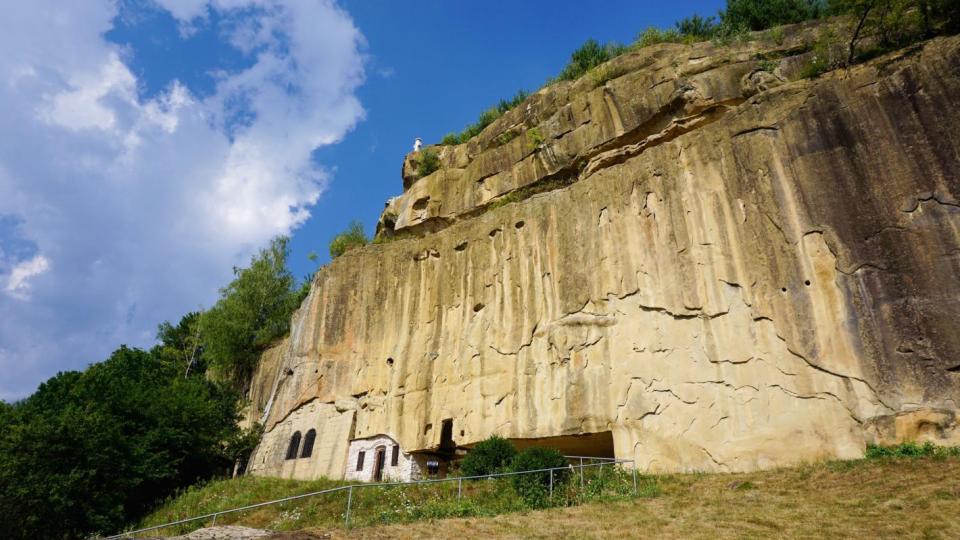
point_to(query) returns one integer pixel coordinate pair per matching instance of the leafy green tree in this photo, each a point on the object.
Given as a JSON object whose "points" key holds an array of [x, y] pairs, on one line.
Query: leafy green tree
{"points": [[92, 451], [894, 23], [763, 14], [488, 457], [697, 27], [181, 345], [351, 238], [253, 312]]}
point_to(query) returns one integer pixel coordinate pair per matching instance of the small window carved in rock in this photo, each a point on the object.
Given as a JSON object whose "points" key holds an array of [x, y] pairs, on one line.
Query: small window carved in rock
{"points": [[294, 446], [519, 224], [307, 450], [389, 361]]}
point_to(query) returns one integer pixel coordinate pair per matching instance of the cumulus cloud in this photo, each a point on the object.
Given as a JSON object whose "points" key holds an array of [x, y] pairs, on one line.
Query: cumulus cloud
{"points": [[18, 282], [135, 209]]}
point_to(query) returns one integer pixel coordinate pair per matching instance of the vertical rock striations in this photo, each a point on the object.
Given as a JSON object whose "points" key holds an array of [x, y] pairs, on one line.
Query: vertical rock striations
{"points": [[725, 269]]}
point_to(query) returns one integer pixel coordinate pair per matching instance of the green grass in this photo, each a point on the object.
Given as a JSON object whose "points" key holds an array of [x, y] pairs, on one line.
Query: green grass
{"points": [[912, 450], [382, 505]]}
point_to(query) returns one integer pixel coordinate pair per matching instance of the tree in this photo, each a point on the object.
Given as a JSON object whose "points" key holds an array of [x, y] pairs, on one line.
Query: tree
{"points": [[894, 23], [91, 451], [351, 238], [253, 312], [763, 14], [181, 345], [697, 27]]}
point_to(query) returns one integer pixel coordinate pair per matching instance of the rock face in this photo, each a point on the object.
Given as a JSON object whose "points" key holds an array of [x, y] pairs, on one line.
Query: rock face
{"points": [[722, 268]]}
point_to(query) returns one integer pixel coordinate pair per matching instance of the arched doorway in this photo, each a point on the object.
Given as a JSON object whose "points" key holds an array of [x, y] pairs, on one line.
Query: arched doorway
{"points": [[378, 463]]}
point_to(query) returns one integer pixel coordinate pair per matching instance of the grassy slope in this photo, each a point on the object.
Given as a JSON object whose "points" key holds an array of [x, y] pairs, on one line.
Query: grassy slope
{"points": [[398, 503], [901, 498], [897, 498]]}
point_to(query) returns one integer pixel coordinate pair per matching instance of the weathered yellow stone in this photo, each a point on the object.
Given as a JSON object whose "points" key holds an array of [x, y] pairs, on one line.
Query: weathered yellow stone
{"points": [[725, 269]]}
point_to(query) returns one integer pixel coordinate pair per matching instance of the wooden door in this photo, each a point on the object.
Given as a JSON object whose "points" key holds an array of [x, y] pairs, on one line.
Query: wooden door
{"points": [[378, 464]]}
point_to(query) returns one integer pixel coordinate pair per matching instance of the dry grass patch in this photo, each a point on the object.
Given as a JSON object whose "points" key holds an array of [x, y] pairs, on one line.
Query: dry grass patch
{"points": [[861, 499]]}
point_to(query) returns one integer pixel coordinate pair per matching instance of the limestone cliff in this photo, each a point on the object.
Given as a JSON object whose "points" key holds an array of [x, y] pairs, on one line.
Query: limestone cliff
{"points": [[724, 267]]}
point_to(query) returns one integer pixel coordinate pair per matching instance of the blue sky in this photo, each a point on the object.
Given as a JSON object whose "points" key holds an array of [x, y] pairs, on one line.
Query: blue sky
{"points": [[150, 145]]}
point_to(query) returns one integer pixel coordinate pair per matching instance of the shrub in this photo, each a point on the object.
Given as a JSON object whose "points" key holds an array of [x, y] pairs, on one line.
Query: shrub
{"points": [[488, 457], [450, 139], [534, 488], [427, 163], [653, 35], [601, 74], [911, 450], [826, 55], [486, 118], [506, 137], [534, 138], [506, 104], [776, 35], [351, 238], [590, 55]]}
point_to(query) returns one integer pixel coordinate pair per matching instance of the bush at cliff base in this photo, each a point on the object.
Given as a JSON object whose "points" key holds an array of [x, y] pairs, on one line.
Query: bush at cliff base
{"points": [[490, 456], [534, 488]]}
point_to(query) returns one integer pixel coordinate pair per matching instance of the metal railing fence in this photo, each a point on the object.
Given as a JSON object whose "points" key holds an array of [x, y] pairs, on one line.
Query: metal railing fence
{"points": [[576, 463]]}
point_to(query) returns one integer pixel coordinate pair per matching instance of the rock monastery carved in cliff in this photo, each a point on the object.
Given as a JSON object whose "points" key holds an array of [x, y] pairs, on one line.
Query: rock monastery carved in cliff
{"points": [[701, 263]]}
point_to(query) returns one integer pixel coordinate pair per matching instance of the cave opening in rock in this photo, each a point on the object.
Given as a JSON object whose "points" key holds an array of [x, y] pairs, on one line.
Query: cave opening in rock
{"points": [[446, 436], [598, 445]]}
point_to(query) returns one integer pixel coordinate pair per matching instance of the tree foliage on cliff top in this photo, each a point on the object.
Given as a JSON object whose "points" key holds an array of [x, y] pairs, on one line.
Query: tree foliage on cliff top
{"points": [[891, 19]]}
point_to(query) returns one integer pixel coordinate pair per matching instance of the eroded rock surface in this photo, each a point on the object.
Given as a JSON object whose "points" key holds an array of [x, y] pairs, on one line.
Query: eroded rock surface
{"points": [[726, 269]]}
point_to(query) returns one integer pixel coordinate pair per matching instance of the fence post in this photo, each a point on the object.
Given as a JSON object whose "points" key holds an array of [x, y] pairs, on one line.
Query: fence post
{"points": [[635, 490], [214, 521], [551, 483], [459, 488], [581, 473], [349, 503]]}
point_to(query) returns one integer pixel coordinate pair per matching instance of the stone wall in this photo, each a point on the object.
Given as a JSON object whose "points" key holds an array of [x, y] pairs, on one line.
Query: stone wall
{"points": [[405, 469], [725, 268]]}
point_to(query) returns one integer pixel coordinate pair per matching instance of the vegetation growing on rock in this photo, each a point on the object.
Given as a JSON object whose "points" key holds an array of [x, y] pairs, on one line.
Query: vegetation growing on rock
{"points": [[352, 237], [428, 162]]}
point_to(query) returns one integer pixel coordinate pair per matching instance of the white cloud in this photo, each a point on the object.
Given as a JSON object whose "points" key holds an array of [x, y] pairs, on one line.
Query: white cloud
{"points": [[18, 282], [141, 207]]}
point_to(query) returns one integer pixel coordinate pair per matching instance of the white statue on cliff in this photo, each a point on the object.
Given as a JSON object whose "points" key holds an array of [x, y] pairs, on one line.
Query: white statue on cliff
{"points": [[417, 144]]}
